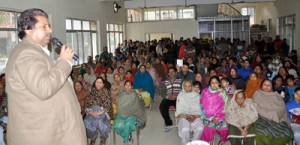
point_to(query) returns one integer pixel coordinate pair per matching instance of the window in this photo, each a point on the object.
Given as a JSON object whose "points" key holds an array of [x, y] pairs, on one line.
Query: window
{"points": [[287, 27], [161, 13], [151, 14], [168, 13], [134, 15], [82, 37], [186, 12], [8, 35], [245, 11], [114, 33]]}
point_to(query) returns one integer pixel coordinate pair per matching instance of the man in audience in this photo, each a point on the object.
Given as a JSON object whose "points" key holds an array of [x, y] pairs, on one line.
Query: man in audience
{"points": [[169, 91], [185, 73], [105, 57], [90, 62]]}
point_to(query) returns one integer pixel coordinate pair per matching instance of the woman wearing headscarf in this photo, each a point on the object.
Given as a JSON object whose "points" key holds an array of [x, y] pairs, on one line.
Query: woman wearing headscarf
{"points": [[115, 90], [188, 114], [81, 93], [143, 81], [130, 112], [241, 115], [213, 102], [272, 125], [95, 106]]}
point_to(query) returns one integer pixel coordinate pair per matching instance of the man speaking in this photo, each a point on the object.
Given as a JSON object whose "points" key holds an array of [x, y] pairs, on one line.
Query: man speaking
{"points": [[42, 105]]}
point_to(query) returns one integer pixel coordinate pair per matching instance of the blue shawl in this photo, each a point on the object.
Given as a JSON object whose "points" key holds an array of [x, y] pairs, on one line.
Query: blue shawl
{"points": [[144, 81]]}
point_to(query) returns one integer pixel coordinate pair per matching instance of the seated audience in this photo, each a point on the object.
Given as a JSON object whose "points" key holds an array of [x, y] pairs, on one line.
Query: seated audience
{"points": [[188, 113], [169, 91], [241, 115], [293, 108], [130, 113], [253, 84], [143, 81], [272, 125], [213, 102]]}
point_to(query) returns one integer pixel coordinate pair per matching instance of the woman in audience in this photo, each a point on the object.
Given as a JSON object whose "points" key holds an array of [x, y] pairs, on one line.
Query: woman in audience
{"points": [[241, 115], [121, 71], [83, 68], [252, 85], [210, 74], [81, 94], [115, 90], [279, 88], [144, 82], [87, 86], [199, 78], [272, 125], [293, 108], [213, 102], [93, 105], [130, 113], [110, 75], [256, 62], [259, 72], [291, 69], [283, 72], [236, 80], [152, 72], [106, 83], [99, 68], [188, 114]]}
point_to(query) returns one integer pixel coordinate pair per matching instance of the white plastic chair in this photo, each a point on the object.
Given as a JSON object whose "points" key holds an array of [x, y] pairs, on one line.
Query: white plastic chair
{"points": [[198, 142]]}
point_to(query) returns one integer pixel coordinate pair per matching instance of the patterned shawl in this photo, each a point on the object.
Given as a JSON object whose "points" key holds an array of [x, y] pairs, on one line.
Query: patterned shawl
{"points": [[240, 116], [129, 104]]}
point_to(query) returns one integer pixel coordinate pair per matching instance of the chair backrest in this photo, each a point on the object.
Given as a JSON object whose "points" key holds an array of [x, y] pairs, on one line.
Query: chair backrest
{"points": [[198, 142]]}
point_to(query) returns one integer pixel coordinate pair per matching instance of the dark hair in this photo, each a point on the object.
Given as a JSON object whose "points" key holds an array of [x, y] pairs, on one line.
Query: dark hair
{"points": [[226, 79], [290, 77], [79, 75], [127, 82], [173, 68], [195, 83], [186, 63], [129, 71], [275, 78], [78, 82], [94, 84], [264, 82], [296, 90], [214, 77], [27, 20]]}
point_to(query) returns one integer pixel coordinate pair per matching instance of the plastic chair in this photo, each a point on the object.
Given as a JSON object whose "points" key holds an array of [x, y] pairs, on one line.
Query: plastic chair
{"points": [[198, 142]]}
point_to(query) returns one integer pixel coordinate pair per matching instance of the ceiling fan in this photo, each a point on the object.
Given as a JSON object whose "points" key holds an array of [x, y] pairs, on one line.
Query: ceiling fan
{"points": [[116, 7], [234, 2]]}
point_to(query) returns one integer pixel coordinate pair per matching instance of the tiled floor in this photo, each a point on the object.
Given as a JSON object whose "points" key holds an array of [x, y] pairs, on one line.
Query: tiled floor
{"points": [[153, 133]]}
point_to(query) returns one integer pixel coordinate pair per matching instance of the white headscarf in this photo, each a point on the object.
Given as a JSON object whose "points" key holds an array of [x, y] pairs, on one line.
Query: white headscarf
{"points": [[240, 116], [188, 103]]}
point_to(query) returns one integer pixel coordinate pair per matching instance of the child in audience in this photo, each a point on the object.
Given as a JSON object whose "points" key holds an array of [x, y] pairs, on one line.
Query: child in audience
{"points": [[293, 108], [197, 87], [291, 86], [253, 84], [129, 76], [226, 84]]}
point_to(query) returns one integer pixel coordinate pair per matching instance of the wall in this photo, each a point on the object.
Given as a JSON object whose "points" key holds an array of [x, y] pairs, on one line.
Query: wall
{"points": [[184, 28], [59, 10]]}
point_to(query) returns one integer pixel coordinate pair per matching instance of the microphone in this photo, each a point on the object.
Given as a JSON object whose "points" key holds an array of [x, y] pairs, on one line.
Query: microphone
{"points": [[58, 44]]}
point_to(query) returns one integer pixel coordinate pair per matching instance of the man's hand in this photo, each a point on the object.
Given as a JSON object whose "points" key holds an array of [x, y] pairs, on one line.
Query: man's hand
{"points": [[66, 53]]}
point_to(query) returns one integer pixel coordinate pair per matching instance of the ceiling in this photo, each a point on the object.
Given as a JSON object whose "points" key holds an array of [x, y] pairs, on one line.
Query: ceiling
{"points": [[162, 3]]}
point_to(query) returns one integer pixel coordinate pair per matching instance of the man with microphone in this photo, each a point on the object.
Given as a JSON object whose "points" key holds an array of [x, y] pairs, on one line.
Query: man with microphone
{"points": [[42, 105]]}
